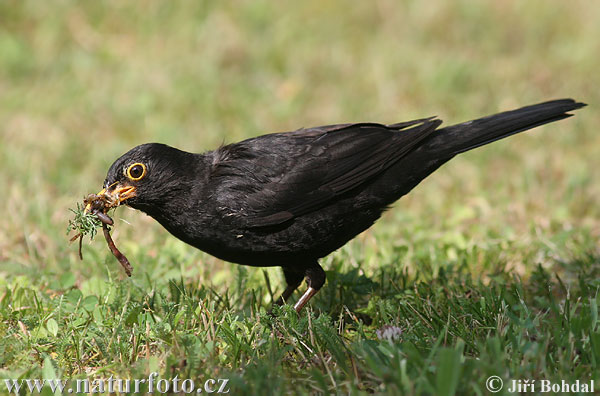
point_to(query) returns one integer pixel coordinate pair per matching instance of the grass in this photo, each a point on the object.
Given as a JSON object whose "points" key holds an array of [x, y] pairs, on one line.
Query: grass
{"points": [[490, 267], [83, 223]]}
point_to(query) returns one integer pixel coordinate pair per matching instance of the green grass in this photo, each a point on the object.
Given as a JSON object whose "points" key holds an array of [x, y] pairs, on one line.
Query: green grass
{"points": [[489, 267]]}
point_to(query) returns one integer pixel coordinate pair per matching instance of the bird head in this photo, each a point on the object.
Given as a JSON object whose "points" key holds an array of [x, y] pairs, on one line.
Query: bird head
{"points": [[145, 176]]}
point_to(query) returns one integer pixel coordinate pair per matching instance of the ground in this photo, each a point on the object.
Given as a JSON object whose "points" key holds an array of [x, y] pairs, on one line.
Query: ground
{"points": [[490, 267]]}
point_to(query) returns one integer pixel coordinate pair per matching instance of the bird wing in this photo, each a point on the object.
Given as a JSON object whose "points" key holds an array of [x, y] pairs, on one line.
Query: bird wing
{"points": [[273, 178]]}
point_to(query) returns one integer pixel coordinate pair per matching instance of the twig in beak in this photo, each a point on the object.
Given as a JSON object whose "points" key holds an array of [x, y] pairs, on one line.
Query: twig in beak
{"points": [[80, 243]]}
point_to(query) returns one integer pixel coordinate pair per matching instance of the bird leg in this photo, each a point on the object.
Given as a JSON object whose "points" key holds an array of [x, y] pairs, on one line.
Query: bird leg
{"points": [[293, 280], [315, 278]]}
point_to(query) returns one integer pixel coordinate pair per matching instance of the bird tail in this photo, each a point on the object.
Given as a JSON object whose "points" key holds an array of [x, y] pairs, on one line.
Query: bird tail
{"points": [[442, 145], [459, 138]]}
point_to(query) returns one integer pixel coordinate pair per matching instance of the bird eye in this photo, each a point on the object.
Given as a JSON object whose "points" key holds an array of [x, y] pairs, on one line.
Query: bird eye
{"points": [[136, 171]]}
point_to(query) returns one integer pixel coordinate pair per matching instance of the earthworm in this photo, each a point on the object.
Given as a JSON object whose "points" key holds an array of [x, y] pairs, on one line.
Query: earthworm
{"points": [[104, 218], [120, 256]]}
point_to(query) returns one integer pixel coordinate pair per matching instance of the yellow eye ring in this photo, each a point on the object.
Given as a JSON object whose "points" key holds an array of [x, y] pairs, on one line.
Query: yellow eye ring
{"points": [[136, 171]]}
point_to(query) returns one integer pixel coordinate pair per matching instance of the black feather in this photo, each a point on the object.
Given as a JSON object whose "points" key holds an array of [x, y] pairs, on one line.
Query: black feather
{"points": [[287, 199]]}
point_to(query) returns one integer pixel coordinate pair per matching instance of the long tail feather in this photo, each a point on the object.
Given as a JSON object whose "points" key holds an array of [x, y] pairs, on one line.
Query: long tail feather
{"points": [[463, 137]]}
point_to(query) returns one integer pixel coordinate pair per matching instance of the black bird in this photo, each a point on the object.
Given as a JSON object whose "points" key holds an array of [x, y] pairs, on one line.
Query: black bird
{"points": [[288, 199]]}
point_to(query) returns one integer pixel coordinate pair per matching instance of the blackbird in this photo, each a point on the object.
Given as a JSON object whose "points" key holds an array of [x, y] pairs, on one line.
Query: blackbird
{"points": [[289, 199]]}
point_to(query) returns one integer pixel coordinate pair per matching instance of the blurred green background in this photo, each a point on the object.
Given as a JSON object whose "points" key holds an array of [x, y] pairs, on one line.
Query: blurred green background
{"points": [[83, 82]]}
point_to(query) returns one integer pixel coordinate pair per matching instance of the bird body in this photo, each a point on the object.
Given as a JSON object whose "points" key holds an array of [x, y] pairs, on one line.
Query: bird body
{"points": [[288, 199]]}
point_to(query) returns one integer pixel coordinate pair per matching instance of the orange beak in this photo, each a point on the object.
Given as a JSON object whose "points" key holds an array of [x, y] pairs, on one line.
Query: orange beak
{"points": [[120, 193], [117, 196]]}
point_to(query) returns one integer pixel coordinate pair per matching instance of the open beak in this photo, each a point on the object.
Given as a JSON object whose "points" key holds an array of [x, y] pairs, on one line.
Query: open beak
{"points": [[115, 195], [119, 193]]}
